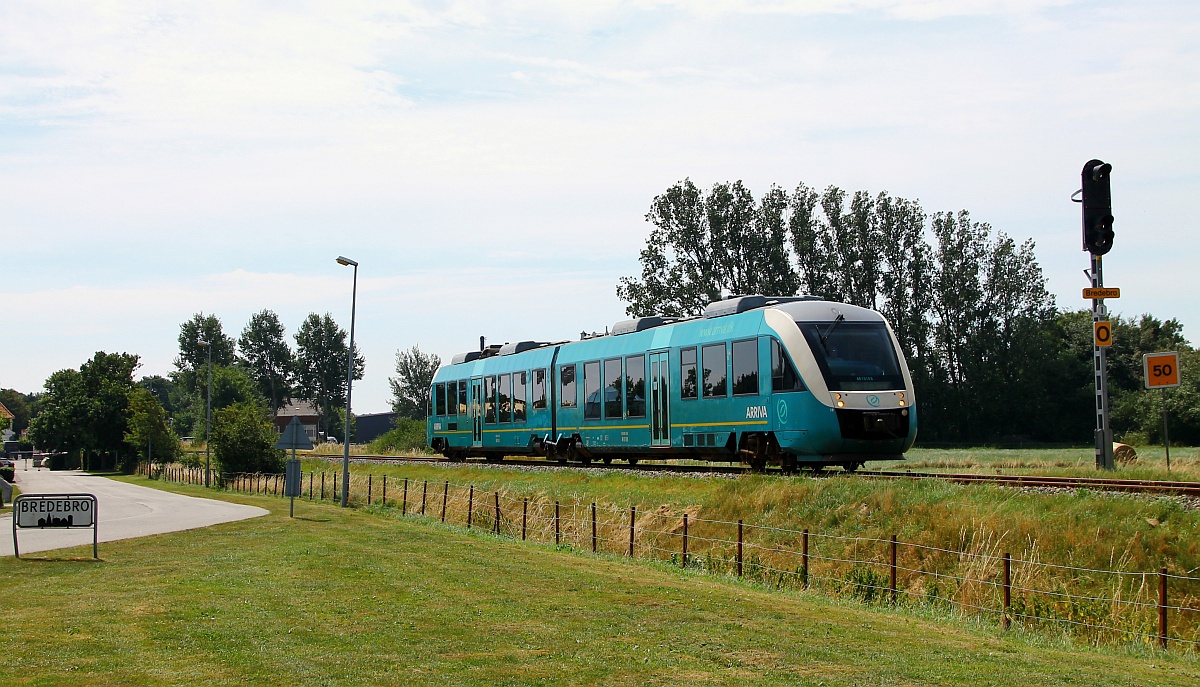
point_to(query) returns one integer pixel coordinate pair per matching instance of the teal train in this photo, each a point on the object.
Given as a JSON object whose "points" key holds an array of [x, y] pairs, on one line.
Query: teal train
{"points": [[789, 381]]}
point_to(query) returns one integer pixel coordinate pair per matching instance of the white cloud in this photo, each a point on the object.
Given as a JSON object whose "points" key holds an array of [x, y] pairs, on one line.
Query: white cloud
{"points": [[486, 161]]}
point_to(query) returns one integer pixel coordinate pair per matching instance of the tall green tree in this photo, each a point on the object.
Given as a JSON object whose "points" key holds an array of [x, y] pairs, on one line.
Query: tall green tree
{"points": [[149, 432], [321, 364], [703, 244], [410, 386], [87, 410], [63, 424], [265, 353], [108, 379], [18, 404], [193, 357], [162, 389]]}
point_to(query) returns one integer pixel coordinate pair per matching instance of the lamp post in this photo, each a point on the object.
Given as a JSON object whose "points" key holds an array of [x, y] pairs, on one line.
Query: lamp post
{"points": [[349, 382], [207, 408]]}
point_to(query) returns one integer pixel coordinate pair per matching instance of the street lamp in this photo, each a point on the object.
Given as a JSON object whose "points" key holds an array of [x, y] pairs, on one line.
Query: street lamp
{"points": [[207, 408], [349, 381]]}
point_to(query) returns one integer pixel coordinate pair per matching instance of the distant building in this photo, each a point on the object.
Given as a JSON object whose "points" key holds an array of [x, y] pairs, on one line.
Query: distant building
{"points": [[307, 414], [371, 426]]}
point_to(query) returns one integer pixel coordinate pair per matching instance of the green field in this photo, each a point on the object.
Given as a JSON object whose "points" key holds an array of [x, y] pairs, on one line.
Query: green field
{"points": [[361, 596], [1151, 462]]}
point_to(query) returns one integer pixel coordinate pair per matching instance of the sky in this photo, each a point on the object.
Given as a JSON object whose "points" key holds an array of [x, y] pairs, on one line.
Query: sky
{"points": [[490, 164]]}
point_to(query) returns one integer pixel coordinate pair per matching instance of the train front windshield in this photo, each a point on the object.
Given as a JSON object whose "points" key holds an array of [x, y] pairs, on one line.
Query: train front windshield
{"points": [[854, 356]]}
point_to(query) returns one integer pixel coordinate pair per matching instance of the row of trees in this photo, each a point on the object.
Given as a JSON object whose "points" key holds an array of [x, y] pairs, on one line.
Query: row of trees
{"points": [[992, 357], [98, 410], [259, 367]]}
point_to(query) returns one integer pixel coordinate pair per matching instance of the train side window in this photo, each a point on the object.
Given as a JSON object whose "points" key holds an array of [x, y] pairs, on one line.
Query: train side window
{"points": [[505, 402], [489, 399], [518, 398], [635, 386], [591, 391], [688, 386], [429, 403], [745, 368], [539, 389], [612, 389], [462, 397], [715, 374], [566, 386], [783, 374]]}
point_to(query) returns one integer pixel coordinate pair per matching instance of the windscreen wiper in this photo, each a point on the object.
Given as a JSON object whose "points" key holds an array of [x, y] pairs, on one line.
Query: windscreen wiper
{"points": [[829, 331]]}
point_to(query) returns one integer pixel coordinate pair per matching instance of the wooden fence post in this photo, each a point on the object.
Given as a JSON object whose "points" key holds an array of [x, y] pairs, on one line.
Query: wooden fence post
{"points": [[804, 558], [556, 528], [1162, 607], [370, 487], [893, 570], [593, 528], [684, 559], [470, 505], [496, 527], [322, 485], [424, 491], [404, 502], [445, 497], [524, 516], [632, 519], [1005, 620], [739, 549], [310, 484]]}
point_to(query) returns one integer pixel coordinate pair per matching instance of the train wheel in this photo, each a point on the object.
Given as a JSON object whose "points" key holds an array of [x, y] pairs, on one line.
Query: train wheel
{"points": [[607, 460], [788, 462], [633, 461], [851, 466]]}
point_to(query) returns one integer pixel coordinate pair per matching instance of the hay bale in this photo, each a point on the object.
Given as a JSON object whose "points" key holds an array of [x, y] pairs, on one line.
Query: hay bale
{"points": [[1124, 453]]}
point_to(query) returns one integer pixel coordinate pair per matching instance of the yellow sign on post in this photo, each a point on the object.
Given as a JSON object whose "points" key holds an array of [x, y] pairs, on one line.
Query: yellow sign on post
{"points": [[1102, 292], [1103, 333], [1162, 370]]}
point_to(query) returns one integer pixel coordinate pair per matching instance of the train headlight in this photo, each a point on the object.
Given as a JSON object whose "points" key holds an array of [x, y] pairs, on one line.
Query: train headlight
{"points": [[902, 403], [841, 404]]}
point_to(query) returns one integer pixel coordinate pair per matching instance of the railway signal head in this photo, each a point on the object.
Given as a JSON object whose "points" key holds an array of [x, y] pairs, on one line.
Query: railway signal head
{"points": [[1097, 208]]}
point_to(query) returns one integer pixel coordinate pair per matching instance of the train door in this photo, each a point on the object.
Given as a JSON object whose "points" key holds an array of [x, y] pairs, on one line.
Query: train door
{"points": [[660, 393], [477, 411]]}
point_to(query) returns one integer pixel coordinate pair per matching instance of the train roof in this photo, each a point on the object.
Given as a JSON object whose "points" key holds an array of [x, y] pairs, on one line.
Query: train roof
{"points": [[798, 308]]}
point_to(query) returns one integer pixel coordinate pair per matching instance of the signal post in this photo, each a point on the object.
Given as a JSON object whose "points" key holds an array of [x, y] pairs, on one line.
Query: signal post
{"points": [[1097, 240]]}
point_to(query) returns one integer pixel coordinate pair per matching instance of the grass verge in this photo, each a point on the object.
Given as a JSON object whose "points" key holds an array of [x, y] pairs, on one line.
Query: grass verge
{"points": [[352, 597]]}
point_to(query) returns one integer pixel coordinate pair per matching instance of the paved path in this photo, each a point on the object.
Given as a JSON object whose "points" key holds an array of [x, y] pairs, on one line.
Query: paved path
{"points": [[124, 511]]}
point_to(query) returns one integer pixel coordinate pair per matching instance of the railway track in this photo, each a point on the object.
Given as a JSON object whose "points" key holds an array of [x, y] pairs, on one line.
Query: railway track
{"points": [[1096, 483], [1164, 487]]}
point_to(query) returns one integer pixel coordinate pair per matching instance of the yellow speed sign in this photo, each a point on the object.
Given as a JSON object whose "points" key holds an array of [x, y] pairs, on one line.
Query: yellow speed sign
{"points": [[1162, 370], [1103, 333]]}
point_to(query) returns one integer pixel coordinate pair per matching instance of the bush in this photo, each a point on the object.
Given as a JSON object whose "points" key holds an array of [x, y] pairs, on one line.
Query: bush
{"points": [[7, 474], [408, 436], [243, 439]]}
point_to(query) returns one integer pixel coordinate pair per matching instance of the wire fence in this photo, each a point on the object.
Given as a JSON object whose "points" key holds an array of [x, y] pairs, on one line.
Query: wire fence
{"points": [[1101, 606]]}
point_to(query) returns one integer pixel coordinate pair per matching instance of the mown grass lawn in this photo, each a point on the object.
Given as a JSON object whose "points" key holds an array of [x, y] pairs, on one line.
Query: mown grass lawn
{"points": [[346, 597]]}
